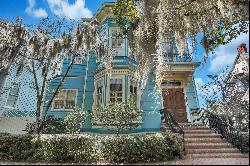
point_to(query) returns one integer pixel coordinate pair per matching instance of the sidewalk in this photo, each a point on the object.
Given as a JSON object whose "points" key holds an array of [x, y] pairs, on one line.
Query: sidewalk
{"points": [[201, 161]]}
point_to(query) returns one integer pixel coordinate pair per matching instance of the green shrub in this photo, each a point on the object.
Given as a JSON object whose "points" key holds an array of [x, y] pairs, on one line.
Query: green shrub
{"points": [[74, 121], [66, 148], [141, 148], [244, 142], [119, 116], [52, 126], [17, 147], [89, 148]]}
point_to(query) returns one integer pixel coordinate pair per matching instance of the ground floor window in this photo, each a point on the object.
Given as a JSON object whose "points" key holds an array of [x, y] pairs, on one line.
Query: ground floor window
{"points": [[116, 90], [65, 99]]}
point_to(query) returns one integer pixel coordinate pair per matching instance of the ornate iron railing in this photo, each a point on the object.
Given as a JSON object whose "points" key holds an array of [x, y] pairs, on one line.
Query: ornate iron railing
{"points": [[220, 126], [170, 122]]}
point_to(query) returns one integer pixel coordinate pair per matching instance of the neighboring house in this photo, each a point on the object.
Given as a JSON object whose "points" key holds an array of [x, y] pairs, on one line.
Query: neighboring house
{"points": [[238, 78], [90, 85], [17, 100]]}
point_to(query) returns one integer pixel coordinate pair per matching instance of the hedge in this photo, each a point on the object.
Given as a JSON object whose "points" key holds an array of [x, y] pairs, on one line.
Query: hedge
{"points": [[91, 148]]}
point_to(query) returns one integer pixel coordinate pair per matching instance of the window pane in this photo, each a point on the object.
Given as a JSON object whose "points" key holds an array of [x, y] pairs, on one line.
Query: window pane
{"points": [[71, 95], [131, 89], [119, 94], [61, 95], [59, 104], [119, 42], [116, 85], [70, 104]]}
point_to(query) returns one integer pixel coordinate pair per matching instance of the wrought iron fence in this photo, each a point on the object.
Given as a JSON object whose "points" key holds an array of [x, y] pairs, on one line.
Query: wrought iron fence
{"points": [[220, 126]]}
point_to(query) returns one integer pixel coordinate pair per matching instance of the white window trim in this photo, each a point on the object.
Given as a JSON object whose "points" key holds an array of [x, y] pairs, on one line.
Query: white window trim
{"points": [[65, 110]]}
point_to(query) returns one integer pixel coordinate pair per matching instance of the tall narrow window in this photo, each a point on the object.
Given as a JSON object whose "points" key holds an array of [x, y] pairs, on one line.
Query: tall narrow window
{"points": [[65, 99], [13, 95], [133, 91], [116, 90], [117, 41], [99, 94]]}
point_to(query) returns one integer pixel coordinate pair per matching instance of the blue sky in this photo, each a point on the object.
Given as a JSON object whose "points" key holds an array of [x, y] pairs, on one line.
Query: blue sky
{"points": [[32, 10]]}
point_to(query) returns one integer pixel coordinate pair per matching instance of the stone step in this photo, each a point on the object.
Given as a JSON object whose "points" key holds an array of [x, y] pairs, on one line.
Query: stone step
{"points": [[204, 140], [198, 131], [203, 151], [207, 145], [219, 155], [197, 128], [191, 124], [211, 135]]}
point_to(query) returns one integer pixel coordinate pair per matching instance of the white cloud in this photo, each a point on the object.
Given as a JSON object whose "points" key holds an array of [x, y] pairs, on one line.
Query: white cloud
{"points": [[40, 13], [225, 55], [76, 10]]}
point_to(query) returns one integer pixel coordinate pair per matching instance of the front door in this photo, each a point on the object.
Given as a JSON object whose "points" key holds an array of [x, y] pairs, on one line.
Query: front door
{"points": [[174, 101]]}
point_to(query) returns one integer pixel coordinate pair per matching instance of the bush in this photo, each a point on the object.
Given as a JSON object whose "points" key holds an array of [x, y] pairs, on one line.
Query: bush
{"points": [[67, 148], [119, 116], [88, 148], [141, 148], [17, 148], [74, 121], [52, 126], [244, 142]]}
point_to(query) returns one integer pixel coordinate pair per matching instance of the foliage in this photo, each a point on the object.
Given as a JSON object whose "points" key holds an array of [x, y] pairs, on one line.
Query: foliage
{"points": [[16, 147], [232, 108], [91, 148], [142, 148], [223, 33], [74, 121], [52, 126], [125, 12], [41, 49], [119, 116], [156, 25], [67, 148], [245, 142]]}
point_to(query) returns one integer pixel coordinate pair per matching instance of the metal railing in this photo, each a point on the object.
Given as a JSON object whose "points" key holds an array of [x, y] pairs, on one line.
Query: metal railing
{"points": [[171, 122], [220, 126]]}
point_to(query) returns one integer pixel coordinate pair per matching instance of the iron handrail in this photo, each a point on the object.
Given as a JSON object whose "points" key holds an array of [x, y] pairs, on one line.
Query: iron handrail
{"points": [[227, 131], [171, 122]]}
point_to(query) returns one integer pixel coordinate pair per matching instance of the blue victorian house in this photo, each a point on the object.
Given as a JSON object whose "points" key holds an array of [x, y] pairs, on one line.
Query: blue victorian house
{"points": [[90, 84]]}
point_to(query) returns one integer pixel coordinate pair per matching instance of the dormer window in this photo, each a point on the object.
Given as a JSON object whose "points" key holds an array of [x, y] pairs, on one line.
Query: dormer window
{"points": [[117, 40]]}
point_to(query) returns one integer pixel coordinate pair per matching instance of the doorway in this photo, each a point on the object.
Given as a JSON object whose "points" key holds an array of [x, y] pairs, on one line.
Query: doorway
{"points": [[174, 101]]}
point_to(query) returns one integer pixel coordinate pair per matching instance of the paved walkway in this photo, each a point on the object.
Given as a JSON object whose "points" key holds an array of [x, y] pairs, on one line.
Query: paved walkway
{"points": [[203, 161]]}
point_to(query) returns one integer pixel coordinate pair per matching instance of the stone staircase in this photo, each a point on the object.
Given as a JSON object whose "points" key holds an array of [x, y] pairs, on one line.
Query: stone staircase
{"points": [[201, 142]]}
